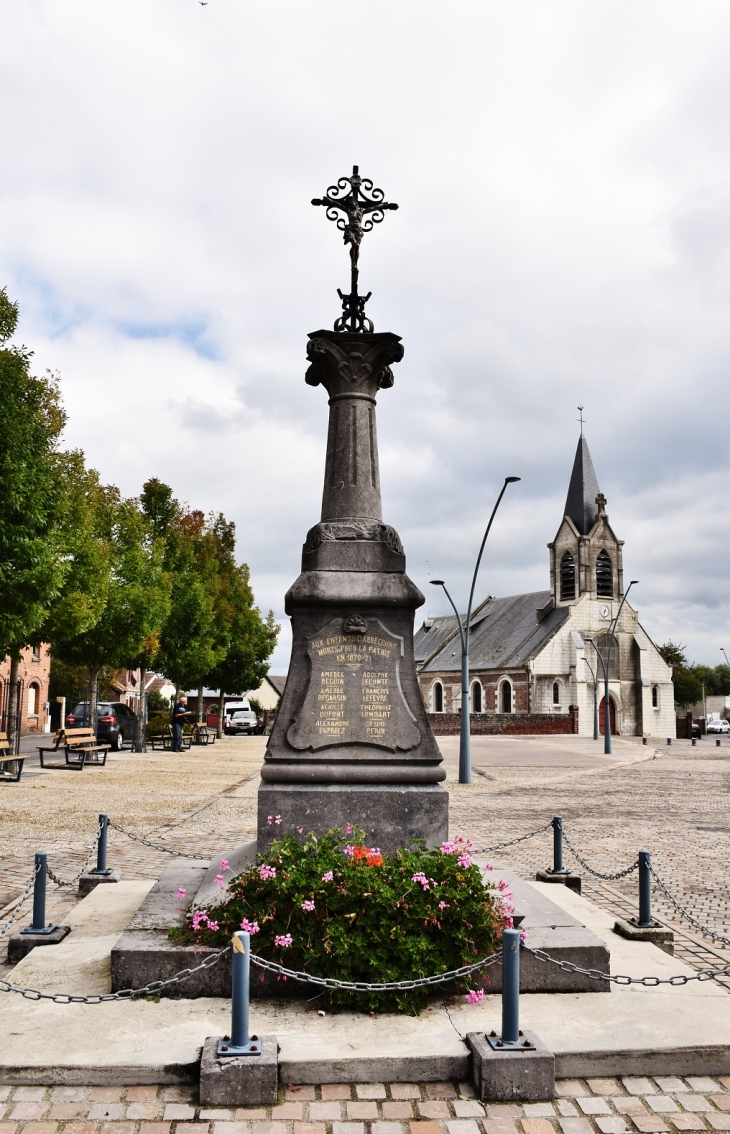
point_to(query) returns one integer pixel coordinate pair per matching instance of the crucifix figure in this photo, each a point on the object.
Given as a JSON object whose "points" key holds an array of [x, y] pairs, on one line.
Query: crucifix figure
{"points": [[363, 206]]}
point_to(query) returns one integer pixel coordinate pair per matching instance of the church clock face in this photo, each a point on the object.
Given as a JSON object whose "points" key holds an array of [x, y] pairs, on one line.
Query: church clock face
{"points": [[604, 611]]}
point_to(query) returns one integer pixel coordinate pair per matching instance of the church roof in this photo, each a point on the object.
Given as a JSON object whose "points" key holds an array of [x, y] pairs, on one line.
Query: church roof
{"points": [[505, 632], [582, 490]]}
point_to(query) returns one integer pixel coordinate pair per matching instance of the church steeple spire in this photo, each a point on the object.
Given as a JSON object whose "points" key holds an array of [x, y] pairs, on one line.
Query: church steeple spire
{"points": [[583, 489]]}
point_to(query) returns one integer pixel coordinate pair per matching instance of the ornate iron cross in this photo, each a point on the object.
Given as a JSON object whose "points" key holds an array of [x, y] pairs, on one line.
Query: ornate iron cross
{"points": [[363, 206]]}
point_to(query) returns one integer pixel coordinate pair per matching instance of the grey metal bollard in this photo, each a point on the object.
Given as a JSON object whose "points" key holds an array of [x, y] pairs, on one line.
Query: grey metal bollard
{"points": [[645, 918], [39, 898], [511, 1039], [643, 740], [557, 825], [101, 866], [694, 741], [717, 742], [669, 740], [240, 1042]]}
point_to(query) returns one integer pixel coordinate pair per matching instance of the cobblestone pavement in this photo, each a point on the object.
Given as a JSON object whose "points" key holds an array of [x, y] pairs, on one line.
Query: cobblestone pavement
{"points": [[592, 1106], [674, 802]]}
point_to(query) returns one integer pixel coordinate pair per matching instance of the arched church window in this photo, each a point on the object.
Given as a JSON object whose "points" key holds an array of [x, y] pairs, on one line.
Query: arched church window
{"points": [[438, 697], [567, 577], [476, 697], [506, 697], [556, 693], [604, 575]]}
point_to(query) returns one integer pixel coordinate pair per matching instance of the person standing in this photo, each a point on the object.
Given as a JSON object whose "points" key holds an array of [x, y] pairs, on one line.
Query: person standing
{"points": [[179, 713]]}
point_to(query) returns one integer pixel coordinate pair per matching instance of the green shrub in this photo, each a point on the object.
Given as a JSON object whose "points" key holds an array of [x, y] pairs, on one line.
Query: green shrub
{"points": [[156, 703], [156, 725], [334, 908]]}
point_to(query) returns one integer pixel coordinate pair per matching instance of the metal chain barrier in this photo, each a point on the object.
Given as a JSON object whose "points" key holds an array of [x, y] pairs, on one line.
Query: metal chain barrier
{"points": [[597, 873], [513, 842], [124, 994], [87, 860], [684, 913], [648, 982], [157, 846], [365, 986], [20, 903]]}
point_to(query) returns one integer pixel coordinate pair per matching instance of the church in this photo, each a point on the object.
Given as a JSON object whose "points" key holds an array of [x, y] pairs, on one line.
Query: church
{"points": [[533, 657]]}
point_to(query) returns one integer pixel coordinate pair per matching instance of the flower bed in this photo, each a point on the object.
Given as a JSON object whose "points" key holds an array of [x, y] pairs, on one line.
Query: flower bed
{"points": [[333, 907]]}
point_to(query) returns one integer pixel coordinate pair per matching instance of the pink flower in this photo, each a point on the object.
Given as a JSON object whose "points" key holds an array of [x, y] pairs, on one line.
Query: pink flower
{"points": [[327, 876], [443, 905], [199, 917], [300, 829], [448, 848], [181, 893], [249, 926], [464, 859], [308, 905], [523, 936], [213, 925], [283, 940], [277, 819], [348, 851], [267, 872], [502, 885], [219, 880], [269, 820], [348, 829], [224, 864], [421, 878], [488, 866], [475, 996]]}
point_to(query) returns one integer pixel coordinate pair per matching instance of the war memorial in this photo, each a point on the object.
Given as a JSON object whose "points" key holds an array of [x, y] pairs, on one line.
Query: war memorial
{"points": [[352, 745]]}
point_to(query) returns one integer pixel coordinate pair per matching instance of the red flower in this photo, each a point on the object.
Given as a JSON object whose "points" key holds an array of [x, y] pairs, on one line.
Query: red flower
{"points": [[360, 852], [374, 859]]}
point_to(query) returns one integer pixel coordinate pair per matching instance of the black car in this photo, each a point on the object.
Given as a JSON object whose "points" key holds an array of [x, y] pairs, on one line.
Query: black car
{"points": [[115, 722]]}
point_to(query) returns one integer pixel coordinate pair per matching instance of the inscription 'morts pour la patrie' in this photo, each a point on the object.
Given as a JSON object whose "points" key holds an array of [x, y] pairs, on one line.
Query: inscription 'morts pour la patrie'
{"points": [[354, 694]]}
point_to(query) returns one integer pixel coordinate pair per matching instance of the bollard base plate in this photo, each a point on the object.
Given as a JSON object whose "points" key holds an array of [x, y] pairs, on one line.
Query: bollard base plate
{"points": [[239, 1081], [657, 934], [226, 1048], [572, 881], [498, 1044], [88, 882], [20, 944], [506, 1074]]}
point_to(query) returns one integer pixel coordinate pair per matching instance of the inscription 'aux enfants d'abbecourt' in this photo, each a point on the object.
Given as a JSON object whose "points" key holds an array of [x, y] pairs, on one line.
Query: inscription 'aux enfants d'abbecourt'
{"points": [[347, 646]]}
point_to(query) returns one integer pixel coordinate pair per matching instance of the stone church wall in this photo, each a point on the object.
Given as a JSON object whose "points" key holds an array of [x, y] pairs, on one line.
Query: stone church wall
{"points": [[507, 724]]}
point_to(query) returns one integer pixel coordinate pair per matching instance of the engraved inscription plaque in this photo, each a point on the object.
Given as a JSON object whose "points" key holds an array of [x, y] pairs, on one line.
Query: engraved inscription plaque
{"points": [[354, 694]]}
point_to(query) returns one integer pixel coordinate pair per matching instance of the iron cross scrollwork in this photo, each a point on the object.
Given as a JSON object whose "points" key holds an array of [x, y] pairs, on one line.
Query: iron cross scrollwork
{"points": [[355, 205]]}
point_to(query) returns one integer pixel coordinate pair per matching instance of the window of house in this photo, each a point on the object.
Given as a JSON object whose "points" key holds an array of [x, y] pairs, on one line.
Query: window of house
{"points": [[36, 653], [604, 575], [655, 696], [476, 697], [33, 701], [506, 697], [567, 577], [438, 697], [556, 693]]}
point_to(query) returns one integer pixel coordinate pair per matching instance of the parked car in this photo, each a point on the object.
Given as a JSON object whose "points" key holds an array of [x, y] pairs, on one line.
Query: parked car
{"points": [[718, 726], [240, 719], [115, 722]]}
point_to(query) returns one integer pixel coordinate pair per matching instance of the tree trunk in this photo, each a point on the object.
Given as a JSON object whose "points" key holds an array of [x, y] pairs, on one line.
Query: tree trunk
{"points": [[201, 703], [93, 694], [14, 709], [219, 729], [139, 740]]}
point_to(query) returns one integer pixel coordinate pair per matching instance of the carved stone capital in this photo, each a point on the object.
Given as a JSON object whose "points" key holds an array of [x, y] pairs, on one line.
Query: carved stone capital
{"points": [[346, 363]]}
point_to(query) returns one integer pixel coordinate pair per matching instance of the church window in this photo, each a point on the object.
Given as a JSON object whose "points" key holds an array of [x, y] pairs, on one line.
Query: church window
{"points": [[476, 697], [505, 696], [438, 697], [604, 575], [567, 577], [556, 693], [655, 696]]}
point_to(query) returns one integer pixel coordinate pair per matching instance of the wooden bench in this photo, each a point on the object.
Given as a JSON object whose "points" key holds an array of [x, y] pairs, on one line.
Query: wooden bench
{"points": [[81, 744], [203, 734], [7, 759]]}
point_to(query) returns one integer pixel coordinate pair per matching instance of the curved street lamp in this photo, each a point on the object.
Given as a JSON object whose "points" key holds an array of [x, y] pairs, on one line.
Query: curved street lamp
{"points": [[594, 675], [606, 667], [465, 732]]}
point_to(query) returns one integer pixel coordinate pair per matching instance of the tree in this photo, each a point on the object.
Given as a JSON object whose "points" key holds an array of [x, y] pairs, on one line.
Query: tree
{"points": [[674, 654], [32, 565], [687, 684]]}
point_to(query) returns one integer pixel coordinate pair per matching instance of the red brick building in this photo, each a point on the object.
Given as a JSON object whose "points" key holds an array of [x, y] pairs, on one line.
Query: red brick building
{"points": [[34, 673]]}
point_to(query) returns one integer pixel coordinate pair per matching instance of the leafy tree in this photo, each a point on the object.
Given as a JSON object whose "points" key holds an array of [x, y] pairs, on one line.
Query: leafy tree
{"points": [[32, 566], [716, 679], [674, 654], [156, 703], [687, 684]]}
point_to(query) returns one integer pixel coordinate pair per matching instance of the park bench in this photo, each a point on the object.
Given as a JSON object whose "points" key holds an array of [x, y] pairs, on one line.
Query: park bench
{"points": [[164, 739], [80, 748], [203, 734], [7, 759]]}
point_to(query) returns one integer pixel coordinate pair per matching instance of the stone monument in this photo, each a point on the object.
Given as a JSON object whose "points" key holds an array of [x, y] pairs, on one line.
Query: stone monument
{"points": [[352, 742]]}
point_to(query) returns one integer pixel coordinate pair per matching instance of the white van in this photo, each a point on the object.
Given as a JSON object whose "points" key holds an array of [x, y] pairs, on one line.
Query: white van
{"points": [[239, 717]]}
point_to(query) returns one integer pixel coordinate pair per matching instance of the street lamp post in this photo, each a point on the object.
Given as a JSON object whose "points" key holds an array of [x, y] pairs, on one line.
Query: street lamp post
{"points": [[465, 732], [606, 667], [594, 675]]}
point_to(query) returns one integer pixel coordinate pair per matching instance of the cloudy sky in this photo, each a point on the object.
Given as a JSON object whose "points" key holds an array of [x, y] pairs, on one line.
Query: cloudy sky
{"points": [[563, 175]]}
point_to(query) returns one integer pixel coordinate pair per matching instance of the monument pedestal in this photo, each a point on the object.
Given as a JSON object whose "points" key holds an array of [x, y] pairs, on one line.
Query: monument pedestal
{"points": [[390, 814]]}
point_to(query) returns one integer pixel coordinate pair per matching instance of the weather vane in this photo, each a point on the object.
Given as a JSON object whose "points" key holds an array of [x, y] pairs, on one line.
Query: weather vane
{"points": [[581, 419], [363, 206]]}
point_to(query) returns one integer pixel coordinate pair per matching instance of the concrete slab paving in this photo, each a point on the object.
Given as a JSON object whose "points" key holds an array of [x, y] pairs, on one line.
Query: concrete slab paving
{"points": [[632, 1031]]}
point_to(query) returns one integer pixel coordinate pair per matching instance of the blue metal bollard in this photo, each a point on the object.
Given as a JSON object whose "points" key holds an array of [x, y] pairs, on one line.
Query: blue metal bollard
{"points": [[694, 741], [240, 1042], [39, 898], [645, 918], [643, 740], [510, 986], [558, 867], [101, 866], [669, 740], [717, 742]]}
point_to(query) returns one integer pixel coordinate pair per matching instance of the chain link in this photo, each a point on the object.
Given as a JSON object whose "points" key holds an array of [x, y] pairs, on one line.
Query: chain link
{"points": [[72, 881], [20, 903], [648, 982], [124, 994], [365, 986], [157, 846], [597, 873], [512, 842], [684, 913]]}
